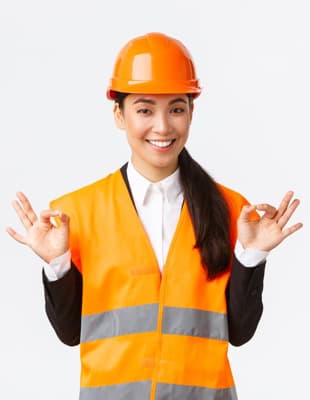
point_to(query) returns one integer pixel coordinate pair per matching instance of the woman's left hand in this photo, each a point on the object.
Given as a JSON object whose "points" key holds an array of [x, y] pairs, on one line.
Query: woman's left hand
{"points": [[268, 231]]}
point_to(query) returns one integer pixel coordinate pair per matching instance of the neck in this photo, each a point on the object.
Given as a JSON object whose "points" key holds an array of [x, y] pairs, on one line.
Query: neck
{"points": [[153, 174]]}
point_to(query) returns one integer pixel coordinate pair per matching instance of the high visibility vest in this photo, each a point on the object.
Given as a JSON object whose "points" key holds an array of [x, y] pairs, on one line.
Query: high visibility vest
{"points": [[146, 335]]}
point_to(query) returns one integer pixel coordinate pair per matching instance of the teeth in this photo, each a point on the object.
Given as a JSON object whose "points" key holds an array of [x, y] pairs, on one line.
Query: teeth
{"points": [[160, 143]]}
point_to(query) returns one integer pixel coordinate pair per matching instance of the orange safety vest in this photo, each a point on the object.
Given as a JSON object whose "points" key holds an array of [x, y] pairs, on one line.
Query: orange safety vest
{"points": [[146, 335]]}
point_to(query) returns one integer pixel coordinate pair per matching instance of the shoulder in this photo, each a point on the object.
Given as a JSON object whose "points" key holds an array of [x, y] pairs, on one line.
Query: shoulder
{"points": [[234, 199], [85, 194]]}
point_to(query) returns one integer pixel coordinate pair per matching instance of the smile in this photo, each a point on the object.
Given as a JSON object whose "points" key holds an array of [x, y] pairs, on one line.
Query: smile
{"points": [[161, 143]]}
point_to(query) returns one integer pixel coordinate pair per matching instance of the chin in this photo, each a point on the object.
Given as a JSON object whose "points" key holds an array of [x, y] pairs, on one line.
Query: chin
{"points": [[162, 163], [164, 167]]}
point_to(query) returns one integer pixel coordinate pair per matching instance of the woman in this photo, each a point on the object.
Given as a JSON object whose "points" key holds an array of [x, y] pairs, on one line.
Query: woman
{"points": [[163, 266]]}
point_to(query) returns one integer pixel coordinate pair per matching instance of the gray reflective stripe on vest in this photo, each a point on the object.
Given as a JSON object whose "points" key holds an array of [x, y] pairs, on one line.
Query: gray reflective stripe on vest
{"points": [[193, 322], [121, 321], [126, 391], [165, 391], [138, 319]]}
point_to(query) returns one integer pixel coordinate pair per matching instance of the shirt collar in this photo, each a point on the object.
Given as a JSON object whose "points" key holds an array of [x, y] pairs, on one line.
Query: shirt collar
{"points": [[142, 188]]}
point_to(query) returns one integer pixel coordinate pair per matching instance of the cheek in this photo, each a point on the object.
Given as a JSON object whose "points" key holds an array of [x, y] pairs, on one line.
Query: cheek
{"points": [[183, 129], [136, 129], [135, 136]]}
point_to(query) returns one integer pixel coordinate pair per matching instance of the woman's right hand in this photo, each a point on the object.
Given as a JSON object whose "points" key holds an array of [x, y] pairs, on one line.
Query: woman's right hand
{"points": [[46, 239]]}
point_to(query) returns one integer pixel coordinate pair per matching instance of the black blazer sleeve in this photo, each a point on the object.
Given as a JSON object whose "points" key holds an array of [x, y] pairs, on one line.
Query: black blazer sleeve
{"points": [[244, 301], [63, 305]]}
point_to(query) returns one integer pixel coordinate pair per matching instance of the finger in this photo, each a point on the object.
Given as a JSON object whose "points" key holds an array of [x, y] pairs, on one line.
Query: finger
{"points": [[246, 211], [46, 215], [288, 213], [21, 214], [269, 211], [27, 207], [60, 219], [284, 204], [19, 238], [288, 231], [64, 218]]}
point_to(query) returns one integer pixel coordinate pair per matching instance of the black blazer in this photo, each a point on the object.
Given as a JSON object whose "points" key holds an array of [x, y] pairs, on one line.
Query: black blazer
{"points": [[63, 300]]}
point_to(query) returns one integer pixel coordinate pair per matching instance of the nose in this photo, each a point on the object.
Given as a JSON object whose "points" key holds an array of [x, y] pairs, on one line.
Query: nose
{"points": [[161, 124]]}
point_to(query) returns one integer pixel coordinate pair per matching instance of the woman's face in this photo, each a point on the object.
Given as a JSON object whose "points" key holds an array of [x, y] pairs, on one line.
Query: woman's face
{"points": [[157, 128]]}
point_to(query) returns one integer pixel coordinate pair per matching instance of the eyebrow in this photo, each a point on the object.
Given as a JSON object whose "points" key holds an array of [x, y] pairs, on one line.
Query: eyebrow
{"points": [[153, 102]]}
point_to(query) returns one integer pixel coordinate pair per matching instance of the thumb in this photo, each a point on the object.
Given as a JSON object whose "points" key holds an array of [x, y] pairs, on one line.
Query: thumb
{"points": [[61, 219], [54, 217], [269, 210], [246, 212], [47, 215], [64, 218]]}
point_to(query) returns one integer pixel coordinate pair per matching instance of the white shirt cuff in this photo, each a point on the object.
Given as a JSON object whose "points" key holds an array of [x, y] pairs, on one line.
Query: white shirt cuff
{"points": [[58, 267], [249, 257]]}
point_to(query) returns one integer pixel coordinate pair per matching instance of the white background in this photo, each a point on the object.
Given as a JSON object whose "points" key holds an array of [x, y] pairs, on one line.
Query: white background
{"points": [[250, 130]]}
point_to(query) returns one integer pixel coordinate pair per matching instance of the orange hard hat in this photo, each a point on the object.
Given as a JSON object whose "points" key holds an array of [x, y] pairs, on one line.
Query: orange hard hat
{"points": [[155, 64]]}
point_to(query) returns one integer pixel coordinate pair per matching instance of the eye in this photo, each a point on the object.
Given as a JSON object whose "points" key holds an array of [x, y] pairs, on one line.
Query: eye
{"points": [[177, 110], [144, 111]]}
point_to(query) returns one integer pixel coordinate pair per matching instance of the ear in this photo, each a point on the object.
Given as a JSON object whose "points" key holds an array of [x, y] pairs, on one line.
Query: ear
{"points": [[118, 117]]}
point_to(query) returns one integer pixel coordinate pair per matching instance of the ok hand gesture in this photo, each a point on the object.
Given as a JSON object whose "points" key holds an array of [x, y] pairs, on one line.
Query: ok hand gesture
{"points": [[269, 230], [46, 239]]}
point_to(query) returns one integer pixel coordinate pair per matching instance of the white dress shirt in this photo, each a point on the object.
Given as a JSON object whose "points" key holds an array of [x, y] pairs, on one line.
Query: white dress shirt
{"points": [[158, 206]]}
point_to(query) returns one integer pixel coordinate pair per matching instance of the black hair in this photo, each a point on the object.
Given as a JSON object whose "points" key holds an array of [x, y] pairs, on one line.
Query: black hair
{"points": [[208, 210]]}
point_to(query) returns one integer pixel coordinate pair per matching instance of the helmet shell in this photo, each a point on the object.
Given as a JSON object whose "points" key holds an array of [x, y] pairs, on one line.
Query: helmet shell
{"points": [[155, 64]]}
